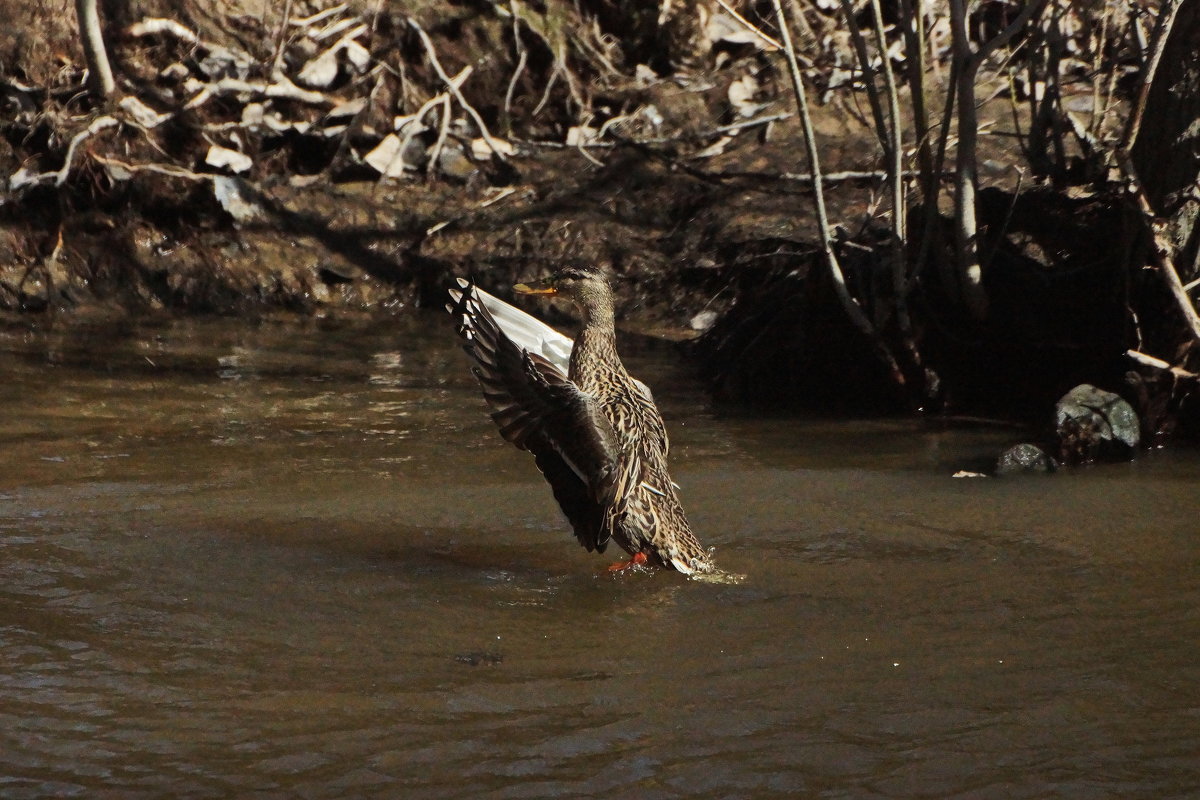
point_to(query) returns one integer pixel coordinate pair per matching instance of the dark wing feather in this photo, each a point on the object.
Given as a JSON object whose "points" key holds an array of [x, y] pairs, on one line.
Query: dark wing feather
{"points": [[539, 409]]}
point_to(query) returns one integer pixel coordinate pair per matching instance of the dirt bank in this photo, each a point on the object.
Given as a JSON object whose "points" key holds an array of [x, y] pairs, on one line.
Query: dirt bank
{"points": [[345, 160]]}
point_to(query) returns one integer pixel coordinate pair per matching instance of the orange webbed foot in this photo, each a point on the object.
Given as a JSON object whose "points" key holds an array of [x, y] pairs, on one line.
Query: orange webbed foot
{"points": [[638, 560]]}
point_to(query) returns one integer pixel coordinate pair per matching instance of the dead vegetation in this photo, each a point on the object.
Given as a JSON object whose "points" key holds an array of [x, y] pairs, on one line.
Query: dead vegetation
{"points": [[961, 233]]}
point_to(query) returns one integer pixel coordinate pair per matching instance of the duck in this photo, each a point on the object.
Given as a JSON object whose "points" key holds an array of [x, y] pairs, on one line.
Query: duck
{"points": [[593, 429]]}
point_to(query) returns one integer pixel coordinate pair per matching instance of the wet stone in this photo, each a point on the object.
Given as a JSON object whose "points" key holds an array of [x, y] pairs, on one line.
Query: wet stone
{"points": [[1025, 458], [1092, 424]]}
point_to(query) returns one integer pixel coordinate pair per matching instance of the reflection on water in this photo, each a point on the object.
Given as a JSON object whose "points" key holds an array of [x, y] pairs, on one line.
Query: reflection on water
{"points": [[296, 561]]}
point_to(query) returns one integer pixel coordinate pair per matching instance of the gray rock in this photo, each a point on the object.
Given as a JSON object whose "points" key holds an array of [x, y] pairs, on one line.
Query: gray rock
{"points": [[1025, 458], [1093, 424]]}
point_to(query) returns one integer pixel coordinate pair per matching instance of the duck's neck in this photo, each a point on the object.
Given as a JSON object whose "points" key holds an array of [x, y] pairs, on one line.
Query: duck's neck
{"points": [[597, 314], [595, 349]]}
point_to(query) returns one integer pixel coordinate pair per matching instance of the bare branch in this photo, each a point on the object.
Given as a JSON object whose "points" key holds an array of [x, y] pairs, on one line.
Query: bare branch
{"points": [[1161, 250], [864, 63], [454, 90], [1028, 13], [896, 140], [853, 310], [914, 46], [1157, 363], [750, 26], [1166, 20], [522, 59]]}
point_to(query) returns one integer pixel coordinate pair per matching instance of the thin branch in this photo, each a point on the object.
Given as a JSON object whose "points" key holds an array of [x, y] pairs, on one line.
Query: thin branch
{"points": [[435, 153], [1031, 10], [899, 200], [522, 59], [1158, 363], [914, 46], [864, 63], [933, 189], [159, 169], [853, 310], [896, 140], [1161, 250], [280, 40], [545, 99], [1099, 104], [1166, 20], [845, 175], [454, 90], [769, 40]]}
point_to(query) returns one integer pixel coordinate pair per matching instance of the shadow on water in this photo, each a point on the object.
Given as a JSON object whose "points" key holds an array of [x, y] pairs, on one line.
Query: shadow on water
{"points": [[297, 561]]}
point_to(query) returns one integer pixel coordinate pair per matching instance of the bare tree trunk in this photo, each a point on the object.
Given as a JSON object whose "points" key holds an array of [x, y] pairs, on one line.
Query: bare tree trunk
{"points": [[100, 77], [966, 179]]}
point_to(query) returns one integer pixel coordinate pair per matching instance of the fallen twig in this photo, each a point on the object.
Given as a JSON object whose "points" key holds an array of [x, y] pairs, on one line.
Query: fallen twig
{"points": [[1158, 363], [320, 16], [713, 133], [750, 123], [281, 89], [750, 26], [844, 175], [160, 169], [506, 192], [151, 26]]}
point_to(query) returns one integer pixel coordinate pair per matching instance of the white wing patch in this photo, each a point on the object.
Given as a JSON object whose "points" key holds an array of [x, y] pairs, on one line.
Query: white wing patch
{"points": [[529, 333]]}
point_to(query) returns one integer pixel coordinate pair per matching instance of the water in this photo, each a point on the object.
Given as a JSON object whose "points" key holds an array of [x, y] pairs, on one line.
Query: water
{"points": [[287, 560]]}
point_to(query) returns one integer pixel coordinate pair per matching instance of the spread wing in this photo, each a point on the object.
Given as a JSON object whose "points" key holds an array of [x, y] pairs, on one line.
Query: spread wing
{"points": [[527, 332], [539, 409]]}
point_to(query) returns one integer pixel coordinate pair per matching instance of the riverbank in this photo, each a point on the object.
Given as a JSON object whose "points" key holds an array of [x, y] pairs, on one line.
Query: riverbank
{"points": [[341, 160]]}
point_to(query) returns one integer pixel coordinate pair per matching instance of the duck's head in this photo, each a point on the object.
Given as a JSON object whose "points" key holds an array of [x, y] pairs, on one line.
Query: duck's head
{"points": [[586, 286]]}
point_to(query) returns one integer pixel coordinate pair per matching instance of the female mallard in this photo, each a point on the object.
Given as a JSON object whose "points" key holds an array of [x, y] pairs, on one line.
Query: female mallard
{"points": [[594, 430]]}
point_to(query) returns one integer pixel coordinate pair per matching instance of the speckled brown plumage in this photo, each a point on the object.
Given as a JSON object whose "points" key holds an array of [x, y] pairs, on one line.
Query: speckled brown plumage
{"points": [[594, 431]]}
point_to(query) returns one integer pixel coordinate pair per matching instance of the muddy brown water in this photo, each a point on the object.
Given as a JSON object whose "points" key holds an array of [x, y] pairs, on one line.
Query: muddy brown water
{"points": [[297, 561]]}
